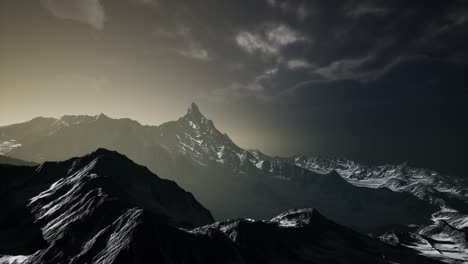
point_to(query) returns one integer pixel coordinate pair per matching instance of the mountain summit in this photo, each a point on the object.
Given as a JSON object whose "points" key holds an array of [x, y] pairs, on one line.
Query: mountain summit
{"points": [[196, 120], [193, 110]]}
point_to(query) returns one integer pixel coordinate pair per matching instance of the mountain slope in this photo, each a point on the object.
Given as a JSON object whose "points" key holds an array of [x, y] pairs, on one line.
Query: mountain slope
{"points": [[103, 208], [85, 192], [5, 160], [424, 183]]}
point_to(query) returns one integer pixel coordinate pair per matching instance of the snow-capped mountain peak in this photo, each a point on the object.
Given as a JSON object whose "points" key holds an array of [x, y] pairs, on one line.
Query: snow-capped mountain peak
{"points": [[197, 137], [193, 109], [194, 114]]}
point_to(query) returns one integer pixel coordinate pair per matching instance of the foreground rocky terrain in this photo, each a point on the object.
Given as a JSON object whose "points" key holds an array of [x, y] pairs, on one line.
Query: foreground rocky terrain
{"points": [[103, 208]]}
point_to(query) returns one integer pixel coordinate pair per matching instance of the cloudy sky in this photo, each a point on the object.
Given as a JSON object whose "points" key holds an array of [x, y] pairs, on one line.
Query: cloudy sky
{"points": [[371, 80]]}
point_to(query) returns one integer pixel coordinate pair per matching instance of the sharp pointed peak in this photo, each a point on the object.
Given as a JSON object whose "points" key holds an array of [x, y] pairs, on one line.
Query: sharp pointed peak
{"points": [[193, 106], [102, 115], [194, 114], [193, 109]]}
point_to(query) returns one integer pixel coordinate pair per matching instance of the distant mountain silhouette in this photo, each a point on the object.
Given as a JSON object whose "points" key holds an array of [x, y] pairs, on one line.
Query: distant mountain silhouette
{"points": [[5, 160]]}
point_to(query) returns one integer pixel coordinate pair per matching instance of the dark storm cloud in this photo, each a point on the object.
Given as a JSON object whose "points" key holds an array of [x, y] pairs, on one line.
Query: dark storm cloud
{"points": [[271, 46]]}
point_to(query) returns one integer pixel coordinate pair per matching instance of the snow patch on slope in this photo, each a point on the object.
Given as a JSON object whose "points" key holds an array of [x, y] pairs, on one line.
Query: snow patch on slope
{"points": [[8, 145], [19, 259]]}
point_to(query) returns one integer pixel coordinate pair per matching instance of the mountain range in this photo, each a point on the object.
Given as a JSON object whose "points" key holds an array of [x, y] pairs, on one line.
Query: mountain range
{"points": [[233, 182]]}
